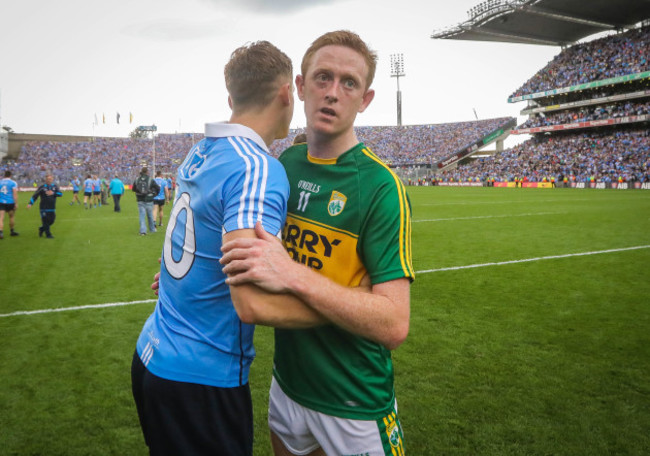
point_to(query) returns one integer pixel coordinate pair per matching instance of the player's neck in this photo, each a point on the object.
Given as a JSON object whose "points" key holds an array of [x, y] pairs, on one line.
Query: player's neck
{"points": [[258, 123], [327, 147]]}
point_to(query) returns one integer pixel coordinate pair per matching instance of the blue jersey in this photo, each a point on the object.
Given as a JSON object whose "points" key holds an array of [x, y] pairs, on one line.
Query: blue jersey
{"points": [[88, 186], [162, 183], [7, 191], [116, 187], [75, 185], [227, 182], [97, 185]]}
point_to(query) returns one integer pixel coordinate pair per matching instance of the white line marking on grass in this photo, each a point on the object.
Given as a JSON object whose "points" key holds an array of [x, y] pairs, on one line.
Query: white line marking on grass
{"points": [[479, 203], [487, 217], [93, 219], [65, 309], [425, 271], [528, 260]]}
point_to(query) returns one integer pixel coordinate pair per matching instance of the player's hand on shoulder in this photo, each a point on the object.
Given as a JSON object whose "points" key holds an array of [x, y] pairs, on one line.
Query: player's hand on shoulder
{"points": [[262, 261]]}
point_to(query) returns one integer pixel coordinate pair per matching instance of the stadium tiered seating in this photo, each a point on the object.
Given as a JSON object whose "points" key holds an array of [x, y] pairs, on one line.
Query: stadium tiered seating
{"points": [[604, 58], [106, 157], [597, 131]]}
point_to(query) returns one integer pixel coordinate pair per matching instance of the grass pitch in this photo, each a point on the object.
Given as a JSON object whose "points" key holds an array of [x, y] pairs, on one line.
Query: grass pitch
{"points": [[529, 332]]}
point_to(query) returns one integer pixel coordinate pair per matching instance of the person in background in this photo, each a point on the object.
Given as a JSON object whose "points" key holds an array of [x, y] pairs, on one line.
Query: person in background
{"points": [[76, 184], [88, 192], [116, 188], [145, 189], [8, 202], [300, 138], [104, 191], [170, 186], [97, 190], [160, 199], [48, 193]]}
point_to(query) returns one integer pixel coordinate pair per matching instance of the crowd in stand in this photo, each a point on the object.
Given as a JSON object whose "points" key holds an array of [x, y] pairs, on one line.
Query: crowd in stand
{"points": [[601, 156], [604, 58], [413, 144], [641, 86], [105, 157], [588, 113], [606, 156], [108, 157]]}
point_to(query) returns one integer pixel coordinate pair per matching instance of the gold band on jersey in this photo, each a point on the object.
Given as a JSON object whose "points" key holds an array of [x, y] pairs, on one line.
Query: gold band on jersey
{"points": [[405, 219]]}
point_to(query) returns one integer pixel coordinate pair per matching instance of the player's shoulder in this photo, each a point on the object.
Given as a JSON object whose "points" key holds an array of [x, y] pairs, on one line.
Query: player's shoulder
{"points": [[370, 163], [293, 152]]}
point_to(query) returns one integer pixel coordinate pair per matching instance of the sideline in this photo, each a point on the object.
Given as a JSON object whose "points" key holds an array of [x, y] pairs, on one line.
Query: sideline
{"points": [[65, 309], [528, 260], [425, 271], [488, 217]]}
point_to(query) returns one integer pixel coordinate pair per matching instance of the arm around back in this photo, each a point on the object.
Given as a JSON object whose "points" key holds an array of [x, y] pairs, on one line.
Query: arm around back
{"points": [[256, 306]]}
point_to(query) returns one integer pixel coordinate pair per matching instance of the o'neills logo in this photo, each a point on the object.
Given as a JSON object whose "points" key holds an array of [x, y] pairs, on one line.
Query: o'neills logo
{"points": [[336, 204]]}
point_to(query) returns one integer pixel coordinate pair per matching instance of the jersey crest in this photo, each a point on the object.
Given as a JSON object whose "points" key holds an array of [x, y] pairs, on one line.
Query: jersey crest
{"points": [[336, 204]]}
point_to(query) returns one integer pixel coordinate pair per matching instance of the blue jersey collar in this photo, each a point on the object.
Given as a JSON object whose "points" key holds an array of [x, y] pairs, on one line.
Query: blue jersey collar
{"points": [[224, 129]]}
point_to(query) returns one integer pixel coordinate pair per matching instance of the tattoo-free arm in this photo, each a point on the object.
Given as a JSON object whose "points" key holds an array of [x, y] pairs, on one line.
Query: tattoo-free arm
{"points": [[381, 315], [256, 306]]}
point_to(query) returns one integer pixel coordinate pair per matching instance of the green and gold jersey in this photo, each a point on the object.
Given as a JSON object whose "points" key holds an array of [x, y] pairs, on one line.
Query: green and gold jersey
{"points": [[347, 217]]}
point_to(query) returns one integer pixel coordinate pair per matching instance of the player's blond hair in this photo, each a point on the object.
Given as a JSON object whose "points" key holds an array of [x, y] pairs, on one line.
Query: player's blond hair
{"points": [[343, 38]]}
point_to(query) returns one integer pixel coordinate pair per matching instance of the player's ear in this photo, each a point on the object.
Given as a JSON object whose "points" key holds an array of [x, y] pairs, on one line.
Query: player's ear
{"points": [[367, 98], [286, 93], [230, 102], [300, 87]]}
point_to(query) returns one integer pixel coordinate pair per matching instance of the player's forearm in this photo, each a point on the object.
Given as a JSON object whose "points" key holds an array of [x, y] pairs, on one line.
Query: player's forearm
{"points": [[255, 306], [381, 315]]}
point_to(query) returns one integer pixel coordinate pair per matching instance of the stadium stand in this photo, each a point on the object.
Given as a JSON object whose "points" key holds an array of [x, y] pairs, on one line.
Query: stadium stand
{"points": [[417, 144], [589, 110], [603, 156], [605, 58], [406, 146]]}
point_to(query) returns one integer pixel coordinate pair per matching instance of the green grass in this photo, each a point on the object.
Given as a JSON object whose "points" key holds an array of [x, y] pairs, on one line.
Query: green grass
{"points": [[545, 357]]}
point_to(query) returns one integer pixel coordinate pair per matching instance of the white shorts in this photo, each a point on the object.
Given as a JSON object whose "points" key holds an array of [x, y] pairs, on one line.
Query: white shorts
{"points": [[303, 430]]}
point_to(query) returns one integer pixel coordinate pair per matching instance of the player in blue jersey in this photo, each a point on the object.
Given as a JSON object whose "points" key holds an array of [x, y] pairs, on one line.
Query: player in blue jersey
{"points": [[170, 186], [76, 183], [160, 199], [97, 190], [8, 202], [48, 193], [88, 192], [190, 369]]}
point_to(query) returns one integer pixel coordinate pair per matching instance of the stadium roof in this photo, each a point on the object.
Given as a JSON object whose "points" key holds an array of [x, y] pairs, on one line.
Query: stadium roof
{"points": [[545, 22]]}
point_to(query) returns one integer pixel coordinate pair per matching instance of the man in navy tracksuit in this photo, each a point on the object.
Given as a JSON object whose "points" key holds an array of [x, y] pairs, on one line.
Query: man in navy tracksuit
{"points": [[48, 192]]}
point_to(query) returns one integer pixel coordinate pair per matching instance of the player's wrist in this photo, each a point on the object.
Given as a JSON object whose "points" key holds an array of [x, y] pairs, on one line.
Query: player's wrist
{"points": [[302, 282]]}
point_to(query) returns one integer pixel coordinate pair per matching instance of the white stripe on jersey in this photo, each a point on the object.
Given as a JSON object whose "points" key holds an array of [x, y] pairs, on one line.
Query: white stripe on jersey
{"points": [[242, 198], [265, 173], [246, 147], [147, 353], [247, 151], [262, 186]]}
